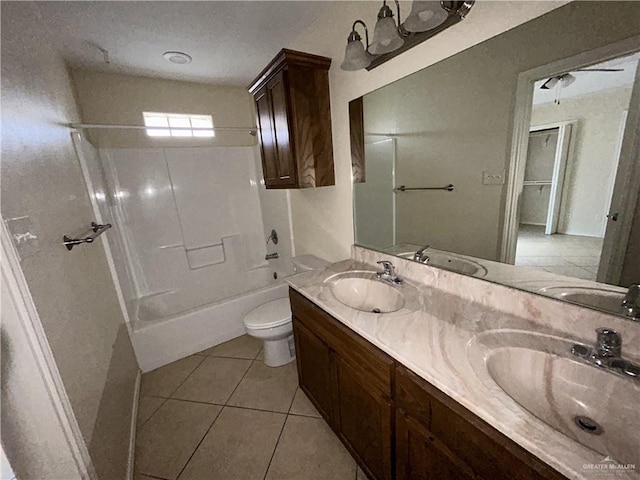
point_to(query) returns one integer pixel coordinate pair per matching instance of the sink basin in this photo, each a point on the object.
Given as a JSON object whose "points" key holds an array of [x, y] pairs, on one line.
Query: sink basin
{"points": [[593, 406], [601, 298], [363, 291], [451, 262]]}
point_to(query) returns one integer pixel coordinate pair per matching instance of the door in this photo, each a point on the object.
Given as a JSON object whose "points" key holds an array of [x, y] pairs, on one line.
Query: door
{"points": [[420, 456], [313, 359], [364, 417], [277, 88], [625, 195], [267, 137]]}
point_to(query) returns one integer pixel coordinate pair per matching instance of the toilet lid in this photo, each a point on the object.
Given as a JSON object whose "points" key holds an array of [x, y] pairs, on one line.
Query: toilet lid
{"points": [[270, 314]]}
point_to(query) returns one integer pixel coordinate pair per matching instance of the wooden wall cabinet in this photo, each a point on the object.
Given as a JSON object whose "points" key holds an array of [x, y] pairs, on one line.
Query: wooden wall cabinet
{"points": [[293, 117], [395, 424]]}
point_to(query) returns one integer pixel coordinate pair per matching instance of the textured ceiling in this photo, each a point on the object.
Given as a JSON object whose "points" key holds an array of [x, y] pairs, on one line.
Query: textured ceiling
{"points": [[229, 41]]}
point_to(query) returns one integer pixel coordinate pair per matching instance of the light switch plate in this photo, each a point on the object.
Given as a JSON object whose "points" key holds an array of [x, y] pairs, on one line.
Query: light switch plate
{"points": [[495, 177], [25, 240]]}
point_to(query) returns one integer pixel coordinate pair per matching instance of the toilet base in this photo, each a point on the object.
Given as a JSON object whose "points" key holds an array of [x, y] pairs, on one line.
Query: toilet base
{"points": [[279, 352]]}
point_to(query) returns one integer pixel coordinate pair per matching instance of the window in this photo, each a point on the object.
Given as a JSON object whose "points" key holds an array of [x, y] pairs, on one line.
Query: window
{"points": [[178, 125]]}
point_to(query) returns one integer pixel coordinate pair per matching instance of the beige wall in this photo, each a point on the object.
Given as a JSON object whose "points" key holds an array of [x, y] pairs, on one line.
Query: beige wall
{"points": [[42, 179], [592, 167], [322, 217], [107, 98]]}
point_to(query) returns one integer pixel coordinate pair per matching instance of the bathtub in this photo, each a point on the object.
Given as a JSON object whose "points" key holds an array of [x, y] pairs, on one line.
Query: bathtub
{"points": [[161, 336]]}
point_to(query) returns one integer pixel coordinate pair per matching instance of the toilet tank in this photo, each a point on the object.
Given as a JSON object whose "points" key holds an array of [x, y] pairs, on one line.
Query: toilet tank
{"points": [[304, 263]]}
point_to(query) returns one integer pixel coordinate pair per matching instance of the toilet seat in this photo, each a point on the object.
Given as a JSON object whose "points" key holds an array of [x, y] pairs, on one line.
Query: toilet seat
{"points": [[269, 315]]}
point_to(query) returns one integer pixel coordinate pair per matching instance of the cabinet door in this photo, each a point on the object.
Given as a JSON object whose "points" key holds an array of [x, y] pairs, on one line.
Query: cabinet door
{"points": [[280, 106], [420, 456], [364, 417], [267, 137], [314, 362]]}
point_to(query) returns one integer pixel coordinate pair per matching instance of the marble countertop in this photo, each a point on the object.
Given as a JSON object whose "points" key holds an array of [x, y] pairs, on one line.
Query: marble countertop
{"points": [[434, 343]]}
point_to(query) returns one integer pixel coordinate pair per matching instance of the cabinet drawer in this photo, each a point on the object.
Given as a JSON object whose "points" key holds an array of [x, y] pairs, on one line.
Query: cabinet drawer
{"points": [[488, 453], [375, 366]]}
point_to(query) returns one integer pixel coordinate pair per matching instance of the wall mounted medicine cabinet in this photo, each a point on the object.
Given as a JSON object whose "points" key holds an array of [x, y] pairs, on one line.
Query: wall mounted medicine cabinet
{"points": [[293, 115]]}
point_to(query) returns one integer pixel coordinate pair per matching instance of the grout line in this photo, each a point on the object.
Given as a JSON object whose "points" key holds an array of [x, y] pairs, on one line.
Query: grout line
{"points": [[164, 400], [273, 454], [214, 421], [199, 443], [238, 384], [185, 378], [293, 399]]}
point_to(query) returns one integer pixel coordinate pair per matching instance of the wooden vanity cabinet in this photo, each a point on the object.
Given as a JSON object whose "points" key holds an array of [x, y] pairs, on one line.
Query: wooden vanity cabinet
{"points": [[350, 383], [293, 117], [394, 423], [438, 438]]}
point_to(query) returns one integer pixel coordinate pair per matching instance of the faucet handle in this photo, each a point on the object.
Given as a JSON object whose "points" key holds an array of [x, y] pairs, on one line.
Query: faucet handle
{"points": [[387, 265], [609, 343]]}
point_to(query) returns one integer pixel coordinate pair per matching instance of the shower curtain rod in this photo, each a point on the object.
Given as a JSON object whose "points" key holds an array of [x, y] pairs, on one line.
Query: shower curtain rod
{"points": [[251, 130]]}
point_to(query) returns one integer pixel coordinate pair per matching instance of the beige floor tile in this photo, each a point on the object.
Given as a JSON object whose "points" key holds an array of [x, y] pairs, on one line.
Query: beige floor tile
{"points": [[302, 406], [239, 446], [308, 449], [241, 347], [169, 438], [147, 406], [213, 381], [267, 388], [163, 381]]}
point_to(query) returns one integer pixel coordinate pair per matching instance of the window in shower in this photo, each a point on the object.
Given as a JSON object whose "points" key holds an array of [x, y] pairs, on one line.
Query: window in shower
{"points": [[178, 125]]}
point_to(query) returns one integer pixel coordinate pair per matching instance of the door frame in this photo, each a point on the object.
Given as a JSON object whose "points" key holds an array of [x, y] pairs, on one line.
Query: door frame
{"points": [[564, 150], [520, 136], [25, 315]]}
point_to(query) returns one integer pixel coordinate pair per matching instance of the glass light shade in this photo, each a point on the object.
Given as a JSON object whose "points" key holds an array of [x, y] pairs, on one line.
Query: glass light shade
{"points": [[567, 79], [425, 15], [355, 56], [385, 37]]}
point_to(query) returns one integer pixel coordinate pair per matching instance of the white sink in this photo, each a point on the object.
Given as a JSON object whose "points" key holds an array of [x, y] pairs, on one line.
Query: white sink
{"points": [[367, 295], [608, 300], [363, 291], [451, 262], [593, 406]]}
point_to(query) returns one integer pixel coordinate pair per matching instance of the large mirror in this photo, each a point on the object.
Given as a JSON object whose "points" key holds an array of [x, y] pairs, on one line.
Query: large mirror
{"points": [[515, 161]]}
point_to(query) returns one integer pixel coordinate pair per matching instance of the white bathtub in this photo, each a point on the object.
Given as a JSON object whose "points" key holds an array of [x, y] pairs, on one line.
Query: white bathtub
{"points": [[159, 340]]}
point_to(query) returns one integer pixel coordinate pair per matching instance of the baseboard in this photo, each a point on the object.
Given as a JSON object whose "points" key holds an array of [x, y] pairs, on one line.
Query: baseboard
{"points": [[132, 432]]}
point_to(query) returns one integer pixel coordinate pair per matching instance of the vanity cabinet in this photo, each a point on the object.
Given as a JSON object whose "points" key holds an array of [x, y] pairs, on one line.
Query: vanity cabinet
{"points": [[394, 423], [350, 383], [293, 117]]}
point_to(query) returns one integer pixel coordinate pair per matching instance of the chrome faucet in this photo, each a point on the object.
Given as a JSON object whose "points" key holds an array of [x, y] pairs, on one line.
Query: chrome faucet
{"points": [[607, 354], [421, 256], [389, 273], [631, 303]]}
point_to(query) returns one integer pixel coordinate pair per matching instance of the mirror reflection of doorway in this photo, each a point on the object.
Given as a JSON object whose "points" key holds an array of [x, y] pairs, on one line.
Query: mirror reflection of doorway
{"points": [[572, 160]]}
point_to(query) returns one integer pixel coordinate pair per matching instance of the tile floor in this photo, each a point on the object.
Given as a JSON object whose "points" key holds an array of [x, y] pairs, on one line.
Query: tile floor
{"points": [[223, 415], [569, 255]]}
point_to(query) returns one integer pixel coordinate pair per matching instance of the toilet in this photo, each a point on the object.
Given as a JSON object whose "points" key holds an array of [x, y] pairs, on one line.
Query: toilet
{"points": [[271, 321]]}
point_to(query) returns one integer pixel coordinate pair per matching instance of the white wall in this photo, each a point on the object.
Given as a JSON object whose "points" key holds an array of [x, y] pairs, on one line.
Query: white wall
{"points": [[322, 217], [73, 291], [592, 168]]}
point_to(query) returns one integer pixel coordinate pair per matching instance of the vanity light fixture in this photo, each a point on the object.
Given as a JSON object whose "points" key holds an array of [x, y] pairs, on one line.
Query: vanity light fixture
{"points": [[356, 56], [426, 19]]}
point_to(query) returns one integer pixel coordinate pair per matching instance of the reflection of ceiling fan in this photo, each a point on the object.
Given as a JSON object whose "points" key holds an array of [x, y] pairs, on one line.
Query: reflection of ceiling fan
{"points": [[564, 80]]}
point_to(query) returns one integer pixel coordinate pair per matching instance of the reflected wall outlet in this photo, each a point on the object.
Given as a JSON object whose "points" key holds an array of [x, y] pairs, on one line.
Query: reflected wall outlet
{"points": [[493, 177]]}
